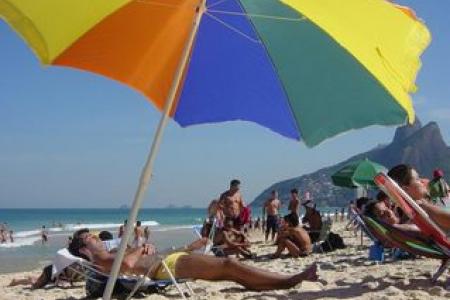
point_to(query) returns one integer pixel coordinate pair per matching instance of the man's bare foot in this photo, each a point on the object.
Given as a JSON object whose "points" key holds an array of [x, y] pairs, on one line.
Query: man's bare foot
{"points": [[309, 274], [12, 283]]}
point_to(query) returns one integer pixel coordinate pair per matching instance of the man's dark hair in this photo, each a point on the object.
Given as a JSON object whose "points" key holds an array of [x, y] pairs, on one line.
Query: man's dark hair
{"points": [[360, 202], [291, 219], [402, 174], [138, 223], [381, 196], [105, 235], [294, 191], [75, 245], [80, 232], [235, 182]]}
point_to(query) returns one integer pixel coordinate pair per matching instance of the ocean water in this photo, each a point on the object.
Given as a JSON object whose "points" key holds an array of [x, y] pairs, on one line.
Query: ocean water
{"points": [[169, 227]]}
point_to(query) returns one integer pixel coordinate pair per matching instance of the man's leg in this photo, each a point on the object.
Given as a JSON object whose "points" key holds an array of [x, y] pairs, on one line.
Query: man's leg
{"points": [[281, 245], [205, 267], [292, 248], [274, 230]]}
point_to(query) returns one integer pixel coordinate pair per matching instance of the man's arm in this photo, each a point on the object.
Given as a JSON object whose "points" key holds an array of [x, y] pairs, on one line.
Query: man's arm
{"points": [[229, 241], [241, 201], [264, 208], [106, 259], [440, 216]]}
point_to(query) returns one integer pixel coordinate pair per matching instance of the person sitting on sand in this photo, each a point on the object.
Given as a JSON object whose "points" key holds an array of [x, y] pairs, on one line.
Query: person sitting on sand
{"points": [[229, 241], [293, 238], [313, 219], [70, 274], [184, 264]]}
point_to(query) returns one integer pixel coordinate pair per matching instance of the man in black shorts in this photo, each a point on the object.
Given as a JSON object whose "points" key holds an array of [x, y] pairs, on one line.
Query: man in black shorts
{"points": [[271, 207]]}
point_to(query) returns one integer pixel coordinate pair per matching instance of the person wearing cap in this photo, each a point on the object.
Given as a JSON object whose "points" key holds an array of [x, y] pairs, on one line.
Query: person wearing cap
{"points": [[439, 190]]}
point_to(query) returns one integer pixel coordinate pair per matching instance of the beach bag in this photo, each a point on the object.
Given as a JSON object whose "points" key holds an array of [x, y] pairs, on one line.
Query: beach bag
{"points": [[334, 241], [376, 252], [96, 284]]}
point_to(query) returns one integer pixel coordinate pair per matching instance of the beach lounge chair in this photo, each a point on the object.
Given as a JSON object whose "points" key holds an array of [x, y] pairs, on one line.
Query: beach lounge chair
{"points": [[434, 235], [417, 245], [96, 280], [365, 229]]}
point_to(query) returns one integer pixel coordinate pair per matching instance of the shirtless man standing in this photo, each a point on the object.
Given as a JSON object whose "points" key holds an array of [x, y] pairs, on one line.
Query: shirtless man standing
{"points": [[271, 207], [183, 264], [232, 203], [138, 235], [294, 204]]}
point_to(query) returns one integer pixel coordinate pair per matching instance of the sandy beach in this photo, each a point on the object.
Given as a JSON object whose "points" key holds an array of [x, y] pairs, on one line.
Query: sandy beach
{"points": [[344, 274]]}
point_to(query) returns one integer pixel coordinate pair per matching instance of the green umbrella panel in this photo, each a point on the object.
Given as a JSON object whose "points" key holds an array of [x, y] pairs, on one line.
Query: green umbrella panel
{"points": [[357, 174]]}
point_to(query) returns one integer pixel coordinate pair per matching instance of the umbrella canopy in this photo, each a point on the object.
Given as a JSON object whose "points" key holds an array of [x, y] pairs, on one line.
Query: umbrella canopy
{"points": [[358, 174], [306, 69]]}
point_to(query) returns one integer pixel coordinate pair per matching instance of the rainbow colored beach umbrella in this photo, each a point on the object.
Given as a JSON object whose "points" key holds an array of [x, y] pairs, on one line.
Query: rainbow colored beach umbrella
{"points": [[306, 69]]}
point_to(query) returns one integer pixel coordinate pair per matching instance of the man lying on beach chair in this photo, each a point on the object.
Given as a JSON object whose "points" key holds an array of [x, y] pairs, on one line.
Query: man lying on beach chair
{"points": [[96, 280], [183, 264]]}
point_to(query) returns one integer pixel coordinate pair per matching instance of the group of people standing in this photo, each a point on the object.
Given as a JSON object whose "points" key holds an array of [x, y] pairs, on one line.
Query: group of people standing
{"points": [[141, 235]]}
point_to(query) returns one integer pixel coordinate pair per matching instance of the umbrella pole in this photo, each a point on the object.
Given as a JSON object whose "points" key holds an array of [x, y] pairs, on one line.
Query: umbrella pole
{"points": [[147, 170]]}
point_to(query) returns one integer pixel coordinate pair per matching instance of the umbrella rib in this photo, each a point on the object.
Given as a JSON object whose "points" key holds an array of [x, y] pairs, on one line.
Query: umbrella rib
{"points": [[257, 15], [232, 28], [217, 3]]}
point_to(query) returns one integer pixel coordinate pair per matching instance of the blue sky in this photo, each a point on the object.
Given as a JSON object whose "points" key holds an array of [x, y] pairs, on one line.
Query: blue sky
{"points": [[74, 139]]}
